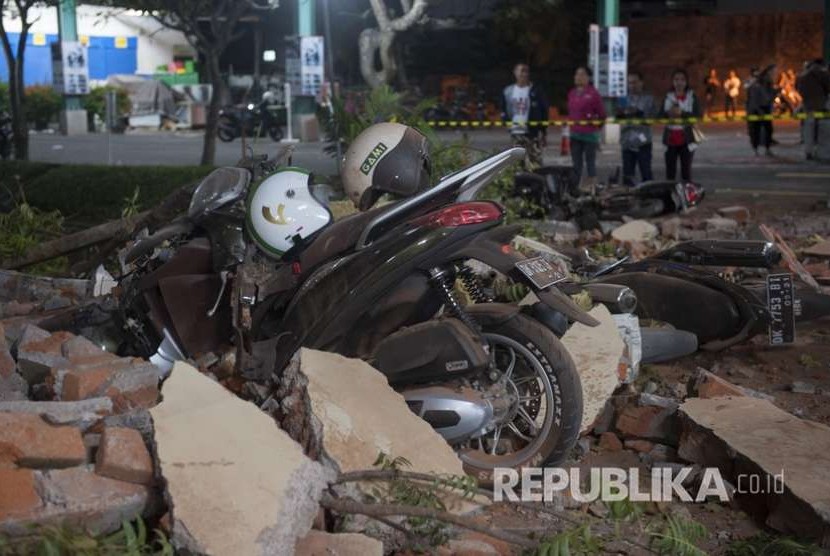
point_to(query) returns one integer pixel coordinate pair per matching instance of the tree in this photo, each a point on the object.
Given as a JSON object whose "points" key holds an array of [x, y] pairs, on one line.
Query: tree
{"points": [[14, 61], [210, 26], [379, 41]]}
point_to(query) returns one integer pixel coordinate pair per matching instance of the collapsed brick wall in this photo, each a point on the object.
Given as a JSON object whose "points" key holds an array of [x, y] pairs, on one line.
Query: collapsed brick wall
{"points": [[697, 43]]}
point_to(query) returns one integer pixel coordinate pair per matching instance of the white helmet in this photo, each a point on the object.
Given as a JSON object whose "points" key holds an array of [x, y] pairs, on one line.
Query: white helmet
{"points": [[385, 158], [283, 212]]}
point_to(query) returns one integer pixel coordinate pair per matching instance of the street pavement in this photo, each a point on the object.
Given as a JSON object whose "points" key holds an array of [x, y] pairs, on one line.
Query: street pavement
{"points": [[723, 162]]}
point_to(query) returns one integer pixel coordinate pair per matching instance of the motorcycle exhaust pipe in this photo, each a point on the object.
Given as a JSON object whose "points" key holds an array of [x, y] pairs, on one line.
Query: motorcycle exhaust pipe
{"points": [[618, 299]]}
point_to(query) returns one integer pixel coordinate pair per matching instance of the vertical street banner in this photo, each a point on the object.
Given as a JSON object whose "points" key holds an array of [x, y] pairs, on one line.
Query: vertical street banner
{"points": [[617, 61], [313, 74], [70, 68], [608, 59], [304, 65]]}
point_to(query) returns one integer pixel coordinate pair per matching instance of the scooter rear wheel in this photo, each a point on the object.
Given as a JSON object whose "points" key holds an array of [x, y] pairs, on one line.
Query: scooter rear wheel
{"points": [[543, 426]]}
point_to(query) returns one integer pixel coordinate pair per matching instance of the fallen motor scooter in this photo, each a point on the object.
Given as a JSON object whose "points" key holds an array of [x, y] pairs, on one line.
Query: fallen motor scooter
{"points": [[678, 286], [552, 192], [377, 285]]}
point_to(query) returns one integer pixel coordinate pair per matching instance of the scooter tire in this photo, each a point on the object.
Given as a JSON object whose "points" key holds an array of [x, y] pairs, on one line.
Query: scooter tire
{"points": [[666, 344], [566, 392], [225, 132]]}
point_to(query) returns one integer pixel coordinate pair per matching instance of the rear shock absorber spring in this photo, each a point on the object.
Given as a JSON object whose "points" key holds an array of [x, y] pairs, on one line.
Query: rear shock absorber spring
{"points": [[472, 284], [442, 280]]}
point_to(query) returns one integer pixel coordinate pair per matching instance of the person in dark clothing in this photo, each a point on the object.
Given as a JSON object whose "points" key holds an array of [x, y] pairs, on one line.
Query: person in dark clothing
{"points": [[759, 101], [635, 139], [711, 85], [679, 138], [524, 105], [813, 84]]}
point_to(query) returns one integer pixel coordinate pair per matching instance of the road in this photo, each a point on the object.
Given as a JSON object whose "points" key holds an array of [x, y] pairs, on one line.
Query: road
{"points": [[724, 162]]}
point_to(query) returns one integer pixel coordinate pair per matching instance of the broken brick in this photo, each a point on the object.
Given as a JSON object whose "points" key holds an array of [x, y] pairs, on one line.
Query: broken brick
{"points": [[638, 445], [82, 414], [39, 353], [80, 385], [738, 213], [18, 497], [29, 441], [610, 442], [709, 385], [123, 455], [79, 350], [649, 422]]}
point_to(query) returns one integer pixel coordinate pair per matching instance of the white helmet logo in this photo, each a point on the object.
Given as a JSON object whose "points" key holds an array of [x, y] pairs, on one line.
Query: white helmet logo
{"points": [[279, 220]]}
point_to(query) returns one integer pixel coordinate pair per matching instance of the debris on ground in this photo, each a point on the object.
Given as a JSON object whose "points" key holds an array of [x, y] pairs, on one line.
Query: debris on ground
{"points": [[743, 436], [235, 482]]}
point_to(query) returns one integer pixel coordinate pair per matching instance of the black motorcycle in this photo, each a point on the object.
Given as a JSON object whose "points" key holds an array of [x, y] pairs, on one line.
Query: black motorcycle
{"points": [[254, 120], [552, 192], [378, 285], [6, 136]]}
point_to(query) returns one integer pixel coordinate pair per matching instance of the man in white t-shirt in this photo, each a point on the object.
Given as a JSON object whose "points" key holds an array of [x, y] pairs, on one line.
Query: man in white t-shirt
{"points": [[525, 107], [732, 86]]}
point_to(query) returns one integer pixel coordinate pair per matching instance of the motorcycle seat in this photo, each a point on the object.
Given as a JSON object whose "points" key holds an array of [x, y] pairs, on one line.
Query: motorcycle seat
{"points": [[340, 237]]}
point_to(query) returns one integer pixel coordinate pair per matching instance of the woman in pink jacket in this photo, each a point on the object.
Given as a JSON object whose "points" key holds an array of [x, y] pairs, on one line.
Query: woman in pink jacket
{"points": [[584, 103]]}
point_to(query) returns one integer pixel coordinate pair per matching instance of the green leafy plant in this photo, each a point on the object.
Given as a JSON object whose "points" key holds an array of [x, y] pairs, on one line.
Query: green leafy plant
{"points": [[764, 544], [132, 539], [574, 542], [42, 105], [678, 537], [24, 227], [131, 204]]}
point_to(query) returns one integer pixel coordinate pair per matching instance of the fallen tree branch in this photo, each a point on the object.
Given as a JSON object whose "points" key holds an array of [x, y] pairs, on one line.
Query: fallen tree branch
{"points": [[349, 506], [393, 474], [75, 242], [161, 214]]}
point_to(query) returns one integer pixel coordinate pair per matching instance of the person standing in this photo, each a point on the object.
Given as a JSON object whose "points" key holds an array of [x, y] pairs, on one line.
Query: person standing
{"points": [[732, 89], [679, 138], [635, 138], [759, 101], [813, 84], [584, 103], [524, 105], [711, 85]]}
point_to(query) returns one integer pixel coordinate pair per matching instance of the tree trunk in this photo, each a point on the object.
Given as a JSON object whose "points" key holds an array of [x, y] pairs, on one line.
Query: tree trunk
{"points": [[20, 127], [212, 119], [20, 130], [370, 42]]}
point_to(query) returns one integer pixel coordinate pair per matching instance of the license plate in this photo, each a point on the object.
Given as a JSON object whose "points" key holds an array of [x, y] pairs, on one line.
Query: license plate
{"points": [[781, 305], [540, 272]]}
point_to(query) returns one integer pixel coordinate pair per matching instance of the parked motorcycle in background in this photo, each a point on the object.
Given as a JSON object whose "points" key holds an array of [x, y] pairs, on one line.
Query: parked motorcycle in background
{"points": [[6, 137], [254, 120]]}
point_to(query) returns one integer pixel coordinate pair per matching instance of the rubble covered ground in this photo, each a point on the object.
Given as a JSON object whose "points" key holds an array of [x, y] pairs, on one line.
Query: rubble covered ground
{"points": [[85, 443]]}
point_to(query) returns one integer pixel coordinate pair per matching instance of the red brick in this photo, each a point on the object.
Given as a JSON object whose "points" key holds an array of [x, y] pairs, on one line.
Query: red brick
{"points": [[143, 398], [712, 386], [123, 455], [609, 442], [18, 497], [88, 383], [737, 213], [7, 364], [651, 422], [32, 442], [637, 445], [51, 345]]}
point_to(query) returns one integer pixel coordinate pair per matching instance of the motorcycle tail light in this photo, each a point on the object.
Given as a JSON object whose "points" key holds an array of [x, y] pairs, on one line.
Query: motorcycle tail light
{"points": [[463, 214], [694, 194]]}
